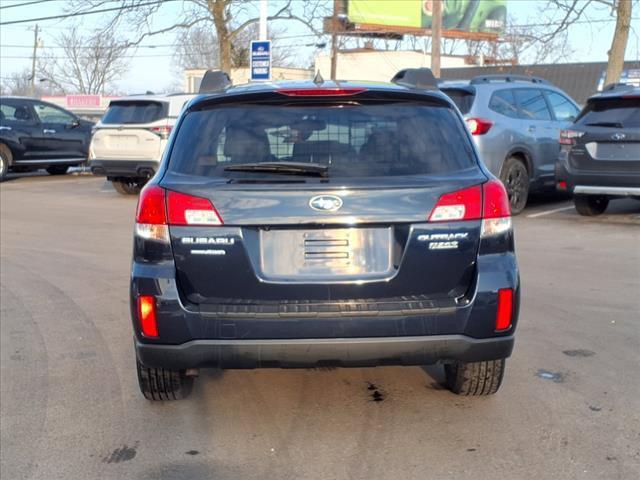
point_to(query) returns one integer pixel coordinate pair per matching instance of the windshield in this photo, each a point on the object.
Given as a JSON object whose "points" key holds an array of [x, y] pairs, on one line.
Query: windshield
{"points": [[134, 112], [616, 113], [352, 140]]}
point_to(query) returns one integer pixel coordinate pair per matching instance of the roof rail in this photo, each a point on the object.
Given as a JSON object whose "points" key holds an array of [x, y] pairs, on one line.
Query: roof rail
{"points": [[214, 81], [617, 86], [507, 78], [416, 78]]}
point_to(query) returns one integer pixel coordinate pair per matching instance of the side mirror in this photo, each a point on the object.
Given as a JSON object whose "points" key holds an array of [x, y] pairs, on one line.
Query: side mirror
{"points": [[74, 123]]}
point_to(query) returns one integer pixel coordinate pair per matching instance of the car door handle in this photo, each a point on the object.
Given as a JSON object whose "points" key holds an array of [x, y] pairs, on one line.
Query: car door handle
{"points": [[532, 128], [2, 127], [47, 130]]}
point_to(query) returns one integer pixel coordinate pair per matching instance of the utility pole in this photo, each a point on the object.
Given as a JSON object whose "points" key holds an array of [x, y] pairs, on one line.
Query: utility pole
{"points": [[33, 62], [436, 37], [263, 20], [334, 40]]}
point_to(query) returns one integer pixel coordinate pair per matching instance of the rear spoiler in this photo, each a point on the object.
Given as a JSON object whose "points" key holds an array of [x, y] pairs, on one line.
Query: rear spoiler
{"points": [[214, 81], [416, 78]]}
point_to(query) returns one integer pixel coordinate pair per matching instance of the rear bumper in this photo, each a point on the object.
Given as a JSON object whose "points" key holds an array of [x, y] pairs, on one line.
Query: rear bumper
{"points": [[124, 168], [616, 184], [343, 352]]}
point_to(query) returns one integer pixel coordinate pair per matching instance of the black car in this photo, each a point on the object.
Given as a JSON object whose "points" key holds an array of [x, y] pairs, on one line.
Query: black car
{"points": [[600, 155], [36, 134], [323, 224]]}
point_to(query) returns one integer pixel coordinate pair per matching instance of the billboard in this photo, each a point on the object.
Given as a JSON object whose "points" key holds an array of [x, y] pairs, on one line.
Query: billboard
{"points": [[488, 16]]}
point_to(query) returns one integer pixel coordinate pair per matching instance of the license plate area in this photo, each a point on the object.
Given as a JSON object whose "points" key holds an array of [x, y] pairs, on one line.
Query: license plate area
{"points": [[330, 255]]}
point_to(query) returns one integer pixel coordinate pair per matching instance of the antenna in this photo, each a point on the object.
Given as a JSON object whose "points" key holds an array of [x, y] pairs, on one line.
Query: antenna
{"points": [[318, 80]]}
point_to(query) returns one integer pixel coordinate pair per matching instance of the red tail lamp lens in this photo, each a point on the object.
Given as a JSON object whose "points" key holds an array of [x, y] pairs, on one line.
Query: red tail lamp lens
{"points": [[151, 206], [320, 92], [505, 309], [495, 201], [147, 315], [189, 210], [479, 126], [461, 205]]}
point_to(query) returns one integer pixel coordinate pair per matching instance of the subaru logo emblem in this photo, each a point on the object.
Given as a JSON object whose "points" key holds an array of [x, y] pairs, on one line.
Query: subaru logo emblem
{"points": [[618, 136], [325, 203]]}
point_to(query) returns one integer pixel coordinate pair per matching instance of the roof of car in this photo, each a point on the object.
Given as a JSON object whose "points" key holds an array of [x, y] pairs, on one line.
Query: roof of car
{"points": [[157, 97], [617, 91]]}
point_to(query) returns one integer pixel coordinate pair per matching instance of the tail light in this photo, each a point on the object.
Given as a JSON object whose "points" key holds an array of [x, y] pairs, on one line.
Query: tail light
{"points": [[147, 315], [159, 208], [163, 131], [568, 137], [189, 210], [488, 202], [504, 311], [320, 92], [479, 126]]}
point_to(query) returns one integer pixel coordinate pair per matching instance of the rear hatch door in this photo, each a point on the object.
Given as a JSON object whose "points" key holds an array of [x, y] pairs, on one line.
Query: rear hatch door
{"points": [[358, 232], [610, 137], [131, 130]]}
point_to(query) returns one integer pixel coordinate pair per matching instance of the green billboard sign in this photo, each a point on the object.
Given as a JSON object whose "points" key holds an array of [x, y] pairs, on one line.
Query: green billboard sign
{"points": [[465, 15]]}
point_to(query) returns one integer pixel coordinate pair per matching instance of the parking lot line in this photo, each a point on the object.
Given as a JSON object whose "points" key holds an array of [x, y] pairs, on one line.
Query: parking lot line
{"points": [[549, 212]]}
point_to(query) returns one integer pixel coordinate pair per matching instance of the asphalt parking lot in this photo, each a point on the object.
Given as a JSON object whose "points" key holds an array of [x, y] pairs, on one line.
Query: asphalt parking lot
{"points": [[70, 406]]}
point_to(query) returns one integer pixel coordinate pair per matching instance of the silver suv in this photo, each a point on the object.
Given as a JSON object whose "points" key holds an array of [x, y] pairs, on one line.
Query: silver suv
{"points": [[129, 140], [515, 122]]}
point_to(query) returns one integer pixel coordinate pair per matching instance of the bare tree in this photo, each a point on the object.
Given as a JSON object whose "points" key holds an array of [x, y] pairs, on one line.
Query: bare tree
{"points": [[84, 64], [229, 19], [19, 83], [566, 13]]}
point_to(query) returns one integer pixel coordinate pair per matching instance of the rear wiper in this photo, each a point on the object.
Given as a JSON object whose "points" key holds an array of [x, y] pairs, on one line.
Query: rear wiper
{"points": [[606, 124], [284, 168]]}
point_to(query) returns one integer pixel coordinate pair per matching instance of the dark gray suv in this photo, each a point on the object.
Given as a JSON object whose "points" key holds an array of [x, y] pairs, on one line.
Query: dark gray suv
{"points": [[515, 122], [323, 224]]}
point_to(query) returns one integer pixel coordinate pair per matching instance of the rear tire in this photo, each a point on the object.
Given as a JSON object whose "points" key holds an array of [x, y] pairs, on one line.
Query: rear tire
{"points": [[130, 187], [160, 384], [516, 181], [57, 169], [475, 378], [5, 160], [590, 205]]}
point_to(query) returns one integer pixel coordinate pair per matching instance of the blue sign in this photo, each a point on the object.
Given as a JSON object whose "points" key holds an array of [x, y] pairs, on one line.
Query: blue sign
{"points": [[260, 60]]}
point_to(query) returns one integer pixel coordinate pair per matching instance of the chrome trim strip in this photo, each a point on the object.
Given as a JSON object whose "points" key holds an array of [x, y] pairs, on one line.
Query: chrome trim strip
{"points": [[624, 191]]}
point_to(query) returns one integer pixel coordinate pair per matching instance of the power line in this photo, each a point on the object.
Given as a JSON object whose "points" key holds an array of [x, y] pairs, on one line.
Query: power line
{"points": [[79, 14], [23, 4]]}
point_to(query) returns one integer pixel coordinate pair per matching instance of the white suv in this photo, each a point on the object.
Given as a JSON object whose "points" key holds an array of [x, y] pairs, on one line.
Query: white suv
{"points": [[129, 140]]}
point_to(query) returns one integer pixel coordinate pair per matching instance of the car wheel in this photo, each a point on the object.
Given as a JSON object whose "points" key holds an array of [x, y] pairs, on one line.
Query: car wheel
{"points": [[158, 384], [57, 169], [516, 181], [5, 161], [475, 378], [127, 187], [590, 205]]}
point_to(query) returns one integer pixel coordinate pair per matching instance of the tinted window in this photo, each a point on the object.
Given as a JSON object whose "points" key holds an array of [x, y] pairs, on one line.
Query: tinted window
{"points": [[532, 104], [562, 107], [503, 102], [615, 112], [135, 112], [353, 140], [462, 98], [15, 112], [50, 114]]}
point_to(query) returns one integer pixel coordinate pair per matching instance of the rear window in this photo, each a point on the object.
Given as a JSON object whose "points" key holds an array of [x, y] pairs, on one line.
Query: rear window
{"points": [[135, 112], [462, 98], [353, 140], [614, 112]]}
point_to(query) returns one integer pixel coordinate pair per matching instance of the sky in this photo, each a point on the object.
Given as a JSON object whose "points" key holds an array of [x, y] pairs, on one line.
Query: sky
{"points": [[152, 65]]}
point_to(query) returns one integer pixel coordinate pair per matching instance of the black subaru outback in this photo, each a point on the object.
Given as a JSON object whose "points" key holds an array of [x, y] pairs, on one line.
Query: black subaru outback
{"points": [[323, 224]]}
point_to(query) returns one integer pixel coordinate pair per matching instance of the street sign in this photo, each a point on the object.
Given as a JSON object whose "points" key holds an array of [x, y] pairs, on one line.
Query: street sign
{"points": [[261, 60]]}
